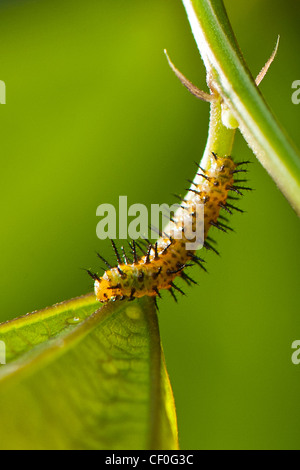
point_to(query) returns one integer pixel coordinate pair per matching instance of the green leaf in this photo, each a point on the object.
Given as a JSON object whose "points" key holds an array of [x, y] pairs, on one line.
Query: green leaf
{"points": [[229, 75], [23, 333], [82, 380]]}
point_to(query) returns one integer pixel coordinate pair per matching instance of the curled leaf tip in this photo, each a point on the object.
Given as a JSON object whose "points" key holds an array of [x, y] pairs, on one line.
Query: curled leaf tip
{"points": [[202, 95], [265, 68]]}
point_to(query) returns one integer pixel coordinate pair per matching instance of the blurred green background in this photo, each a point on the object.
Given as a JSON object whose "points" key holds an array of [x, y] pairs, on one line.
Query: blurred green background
{"points": [[93, 112]]}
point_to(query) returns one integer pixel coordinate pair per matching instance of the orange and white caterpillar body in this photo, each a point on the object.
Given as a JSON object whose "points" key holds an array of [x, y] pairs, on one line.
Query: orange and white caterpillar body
{"points": [[166, 260]]}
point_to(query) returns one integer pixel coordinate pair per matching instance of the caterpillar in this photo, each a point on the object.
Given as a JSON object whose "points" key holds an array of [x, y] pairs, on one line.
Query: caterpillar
{"points": [[167, 259], [161, 263]]}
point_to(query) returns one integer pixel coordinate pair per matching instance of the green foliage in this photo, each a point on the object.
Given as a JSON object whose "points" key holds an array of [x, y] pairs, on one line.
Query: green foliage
{"points": [[87, 87]]}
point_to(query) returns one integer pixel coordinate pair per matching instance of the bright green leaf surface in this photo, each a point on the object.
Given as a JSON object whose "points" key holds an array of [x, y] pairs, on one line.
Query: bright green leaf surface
{"points": [[99, 384], [23, 333]]}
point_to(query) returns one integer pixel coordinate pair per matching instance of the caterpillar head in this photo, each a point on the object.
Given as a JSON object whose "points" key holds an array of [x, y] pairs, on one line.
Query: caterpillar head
{"points": [[104, 289], [101, 290]]}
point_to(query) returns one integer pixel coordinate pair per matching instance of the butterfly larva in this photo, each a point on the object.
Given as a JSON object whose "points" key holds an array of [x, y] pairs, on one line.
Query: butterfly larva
{"points": [[167, 259]]}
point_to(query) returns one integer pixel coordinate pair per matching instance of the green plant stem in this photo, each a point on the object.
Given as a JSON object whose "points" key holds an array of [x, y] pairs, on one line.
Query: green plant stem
{"points": [[229, 75], [220, 138]]}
